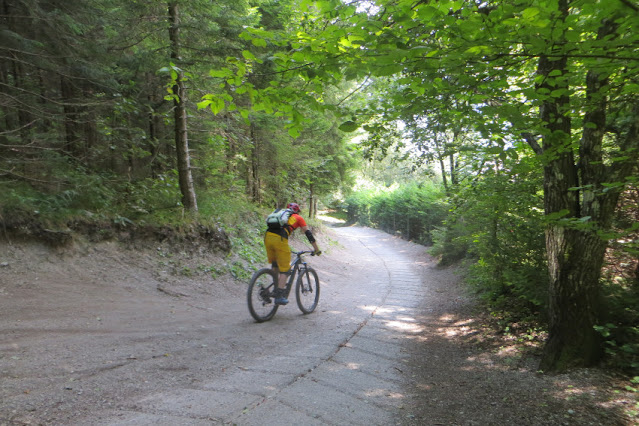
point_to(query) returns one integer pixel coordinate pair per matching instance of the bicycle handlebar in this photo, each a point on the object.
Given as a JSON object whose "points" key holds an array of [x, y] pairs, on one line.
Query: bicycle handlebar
{"points": [[298, 253]]}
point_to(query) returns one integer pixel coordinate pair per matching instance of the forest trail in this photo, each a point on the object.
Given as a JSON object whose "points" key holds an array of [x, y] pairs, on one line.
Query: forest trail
{"points": [[89, 340]]}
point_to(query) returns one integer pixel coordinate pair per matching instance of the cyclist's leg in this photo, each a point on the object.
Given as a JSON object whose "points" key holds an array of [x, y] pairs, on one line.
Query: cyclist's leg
{"points": [[283, 258]]}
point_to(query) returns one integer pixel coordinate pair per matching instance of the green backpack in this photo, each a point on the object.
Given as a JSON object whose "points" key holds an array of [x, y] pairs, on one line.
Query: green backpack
{"points": [[278, 219]]}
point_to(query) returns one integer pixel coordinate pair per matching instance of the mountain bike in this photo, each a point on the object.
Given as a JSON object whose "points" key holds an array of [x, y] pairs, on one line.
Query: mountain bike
{"points": [[261, 300]]}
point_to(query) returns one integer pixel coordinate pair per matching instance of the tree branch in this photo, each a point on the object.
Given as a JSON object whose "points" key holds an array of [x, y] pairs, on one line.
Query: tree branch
{"points": [[354, 91], [532, 141]]}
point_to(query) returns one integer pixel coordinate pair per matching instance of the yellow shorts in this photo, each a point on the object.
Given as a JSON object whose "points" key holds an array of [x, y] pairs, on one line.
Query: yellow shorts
{"points": [[277, 250]]}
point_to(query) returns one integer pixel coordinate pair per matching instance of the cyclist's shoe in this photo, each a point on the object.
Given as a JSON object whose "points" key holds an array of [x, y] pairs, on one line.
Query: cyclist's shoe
{"points": [[280, 297]]}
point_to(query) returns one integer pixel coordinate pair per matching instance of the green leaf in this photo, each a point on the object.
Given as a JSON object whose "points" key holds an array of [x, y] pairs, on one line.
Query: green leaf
{"points": [[259, 42], [557, 215], [294, 132], [217, 105], [388, 70], [203, 104], [248, 55], [348, 126], [530, 13], [223, 73]]}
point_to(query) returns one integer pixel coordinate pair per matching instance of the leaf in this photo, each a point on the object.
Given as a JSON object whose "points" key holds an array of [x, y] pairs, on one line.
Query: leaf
{"points": [[348, 126], [294, 132], [217, 105], [530, 13], [223, 73], [388, 70], [248, 55], [203, 104], [557, 215], [259, 42]]}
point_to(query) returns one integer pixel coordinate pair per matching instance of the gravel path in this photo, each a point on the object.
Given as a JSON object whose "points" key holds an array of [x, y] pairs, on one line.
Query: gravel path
{"points": [[105, 336]]}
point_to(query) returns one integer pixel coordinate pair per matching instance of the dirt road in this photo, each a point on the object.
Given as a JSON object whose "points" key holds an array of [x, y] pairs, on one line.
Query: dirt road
{"points": [[89, 340]]}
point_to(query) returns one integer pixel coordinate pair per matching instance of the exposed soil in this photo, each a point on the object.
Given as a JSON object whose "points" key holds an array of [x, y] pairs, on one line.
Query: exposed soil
{"points": [[461, 370]]}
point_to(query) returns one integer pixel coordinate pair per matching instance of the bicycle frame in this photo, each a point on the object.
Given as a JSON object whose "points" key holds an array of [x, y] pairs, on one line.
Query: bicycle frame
{"points": [[296, 265]]}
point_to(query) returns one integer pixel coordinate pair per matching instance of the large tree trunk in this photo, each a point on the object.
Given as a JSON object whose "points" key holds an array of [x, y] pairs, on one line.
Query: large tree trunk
{"points": [[575, 249], [573, 289], [575, 260], [181, 131]]}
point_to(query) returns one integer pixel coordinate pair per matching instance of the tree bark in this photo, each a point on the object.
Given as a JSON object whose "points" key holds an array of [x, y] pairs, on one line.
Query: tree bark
{"points": [[70, 118], [254, 178], [575, 249], [311, 203], [179, 103]]}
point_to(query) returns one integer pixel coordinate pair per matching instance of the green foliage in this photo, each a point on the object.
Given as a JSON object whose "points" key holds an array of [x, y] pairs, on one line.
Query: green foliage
{"points": [[80, 195], [412, 211], [245, 225], [619, 324], [497, 222]]}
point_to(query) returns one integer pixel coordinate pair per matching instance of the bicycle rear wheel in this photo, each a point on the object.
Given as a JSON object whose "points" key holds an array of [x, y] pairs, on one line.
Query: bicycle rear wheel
{"points": [[260, 295], [307, 290]]}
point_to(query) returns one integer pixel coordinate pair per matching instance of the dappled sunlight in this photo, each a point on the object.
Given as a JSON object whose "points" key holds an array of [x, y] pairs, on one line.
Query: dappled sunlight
{"points": [[420, 338], [382, 310], [394, 311], [459, 328], [507, 351], [404, 326], [406, 319], [446, 318], [376, 393]]}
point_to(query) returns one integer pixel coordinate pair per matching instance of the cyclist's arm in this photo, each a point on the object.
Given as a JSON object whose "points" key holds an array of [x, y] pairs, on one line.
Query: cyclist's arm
{"points": [[311, 238]]}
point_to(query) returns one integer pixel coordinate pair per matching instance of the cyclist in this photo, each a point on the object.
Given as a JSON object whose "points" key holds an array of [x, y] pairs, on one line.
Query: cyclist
{"points": [[278, 251]]}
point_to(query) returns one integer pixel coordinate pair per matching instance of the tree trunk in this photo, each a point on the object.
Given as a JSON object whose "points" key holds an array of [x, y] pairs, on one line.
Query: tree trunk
{"points": [[70, 118], [440, 157], [453, 170], [179, 103], [575, 260], [311, 203], [575, 254], [254, 178]]}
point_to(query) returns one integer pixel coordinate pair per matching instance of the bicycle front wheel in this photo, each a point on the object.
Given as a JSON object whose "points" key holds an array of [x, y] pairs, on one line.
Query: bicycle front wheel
{"points": [[260, 295], [307, 290]]}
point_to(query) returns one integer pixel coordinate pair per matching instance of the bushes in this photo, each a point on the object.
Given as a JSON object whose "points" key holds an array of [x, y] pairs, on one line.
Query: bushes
{"points": [[413, 211], [498, 223], [620, 319]]}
